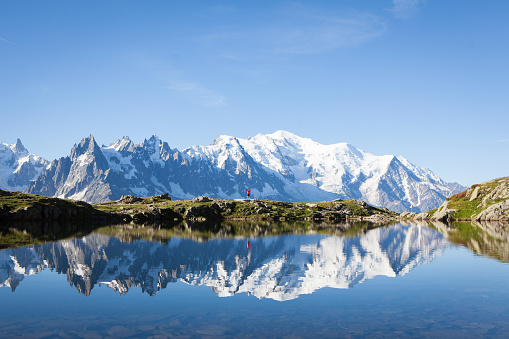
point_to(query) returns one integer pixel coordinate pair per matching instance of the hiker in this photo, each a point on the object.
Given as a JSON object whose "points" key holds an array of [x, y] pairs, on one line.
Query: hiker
{"points": [[248, 194]]}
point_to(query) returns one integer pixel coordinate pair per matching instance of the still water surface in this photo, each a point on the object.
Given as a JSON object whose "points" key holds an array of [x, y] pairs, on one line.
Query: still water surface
{"points": [[403, 280]]}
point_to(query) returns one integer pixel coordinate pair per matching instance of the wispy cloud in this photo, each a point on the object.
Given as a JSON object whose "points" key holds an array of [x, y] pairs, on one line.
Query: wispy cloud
{"points": [[303, 31], [405, 9], [503, 140], [197, 93], [8, 41], [318, 34]]}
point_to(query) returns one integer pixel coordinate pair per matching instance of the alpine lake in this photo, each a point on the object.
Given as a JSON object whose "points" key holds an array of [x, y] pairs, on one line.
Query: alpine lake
{"points": [[255, 279]]}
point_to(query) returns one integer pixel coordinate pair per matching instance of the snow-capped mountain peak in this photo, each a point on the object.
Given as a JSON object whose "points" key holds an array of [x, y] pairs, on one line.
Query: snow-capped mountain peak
{"points": [[18, 167], [280, 166], [124, 144], [18, 147]]}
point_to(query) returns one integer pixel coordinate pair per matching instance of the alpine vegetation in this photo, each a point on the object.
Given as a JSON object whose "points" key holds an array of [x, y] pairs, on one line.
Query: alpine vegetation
{"points": [[278, 166]]}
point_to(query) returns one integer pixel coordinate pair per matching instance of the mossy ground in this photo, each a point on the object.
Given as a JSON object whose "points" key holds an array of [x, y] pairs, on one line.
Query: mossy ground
{"points": [[254, 209], [465, 208], [13, 201]]}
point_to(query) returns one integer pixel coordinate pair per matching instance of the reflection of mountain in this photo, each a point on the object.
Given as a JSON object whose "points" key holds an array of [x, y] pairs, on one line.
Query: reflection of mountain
{"points": [[280, 268]]}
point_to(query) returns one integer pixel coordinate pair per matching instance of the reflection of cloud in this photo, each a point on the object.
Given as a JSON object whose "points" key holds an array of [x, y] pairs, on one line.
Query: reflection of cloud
{"points": [[197, 93], [304, 32], [405, 8]]}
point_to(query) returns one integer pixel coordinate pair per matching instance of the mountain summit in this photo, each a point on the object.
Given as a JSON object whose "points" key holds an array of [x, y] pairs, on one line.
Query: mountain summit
{"points": [[18, 167], [279, 166]]}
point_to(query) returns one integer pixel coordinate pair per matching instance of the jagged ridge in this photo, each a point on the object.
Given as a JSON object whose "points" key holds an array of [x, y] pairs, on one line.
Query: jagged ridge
{"points": [[278, 166]]}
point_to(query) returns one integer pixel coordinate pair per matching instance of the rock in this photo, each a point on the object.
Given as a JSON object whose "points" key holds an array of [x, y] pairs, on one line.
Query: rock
{"points": [[474, 194], [161, 197], [408, 215], [499, 211], [422, 216], [203, 212], [261, 210], [129, 199], [201, 199], [339, 206], [226, 205], [444, 215], [311, 205]]}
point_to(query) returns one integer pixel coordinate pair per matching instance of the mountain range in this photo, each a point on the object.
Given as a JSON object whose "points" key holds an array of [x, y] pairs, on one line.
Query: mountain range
{"points": [[279, 268], [277, 166]]}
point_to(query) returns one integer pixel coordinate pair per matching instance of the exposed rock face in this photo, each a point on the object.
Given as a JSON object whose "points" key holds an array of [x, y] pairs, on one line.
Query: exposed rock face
{"points": [[279, 166], [488, 201], [18, 167], [201, 199], [84, 175], [499, 211], [129, 199]]}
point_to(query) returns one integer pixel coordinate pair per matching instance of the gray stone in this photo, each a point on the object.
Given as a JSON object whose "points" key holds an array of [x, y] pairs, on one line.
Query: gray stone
{"points": [[201, 199], [129, 199], [422, 216]]}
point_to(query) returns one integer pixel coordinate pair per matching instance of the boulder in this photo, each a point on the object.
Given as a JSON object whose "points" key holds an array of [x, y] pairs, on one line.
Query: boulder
{"points": [[161, 197], [422, 216], [499, 211], [408, 215], [202, 199], [203, 212], [129, 199]]}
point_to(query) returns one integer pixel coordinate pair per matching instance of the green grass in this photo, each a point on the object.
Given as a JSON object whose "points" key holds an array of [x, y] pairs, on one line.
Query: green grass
{"points": [[13, 201], [465, 208]]}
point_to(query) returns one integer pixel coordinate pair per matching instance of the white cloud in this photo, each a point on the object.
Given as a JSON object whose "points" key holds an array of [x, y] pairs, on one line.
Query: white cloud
{"points": [[317, 34], [8, 41], [198, 94], [303, 31], [405, 9]]}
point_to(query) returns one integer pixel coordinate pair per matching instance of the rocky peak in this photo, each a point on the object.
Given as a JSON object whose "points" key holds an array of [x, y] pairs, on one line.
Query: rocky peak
{"points": [[123, 145], [153, 145], [87, 145], [18, 147]]}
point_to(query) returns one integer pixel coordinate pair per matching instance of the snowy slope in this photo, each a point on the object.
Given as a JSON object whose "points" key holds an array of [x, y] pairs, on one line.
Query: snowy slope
{"points": [[18, 167], [310, 170], [278, 166]]}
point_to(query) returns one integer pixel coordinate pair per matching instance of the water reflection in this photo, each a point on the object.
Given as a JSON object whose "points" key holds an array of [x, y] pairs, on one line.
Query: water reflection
{"points": [[279, 267], [486, 238]]}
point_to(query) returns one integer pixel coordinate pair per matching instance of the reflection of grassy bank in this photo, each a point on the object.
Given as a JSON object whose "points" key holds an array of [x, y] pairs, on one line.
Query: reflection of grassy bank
{"points": [[26, 234], [227, 229], [16, 235], [486, 238]]}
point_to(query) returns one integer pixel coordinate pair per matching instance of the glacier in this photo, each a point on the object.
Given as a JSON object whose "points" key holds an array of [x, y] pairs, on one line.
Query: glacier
{"points": [[278, 166], [18, 167]]}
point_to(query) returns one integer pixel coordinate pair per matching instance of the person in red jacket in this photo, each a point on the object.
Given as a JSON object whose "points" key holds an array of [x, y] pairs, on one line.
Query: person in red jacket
{"points": [[248, 194]]}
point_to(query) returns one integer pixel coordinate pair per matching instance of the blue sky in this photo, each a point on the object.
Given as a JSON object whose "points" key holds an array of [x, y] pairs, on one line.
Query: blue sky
{"points": [[428, 80]]}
